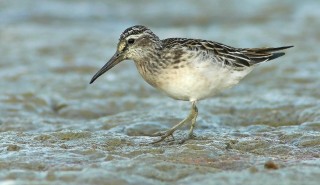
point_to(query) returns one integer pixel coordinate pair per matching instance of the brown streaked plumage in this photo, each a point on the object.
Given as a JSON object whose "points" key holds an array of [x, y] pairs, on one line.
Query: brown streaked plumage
{"points": [[186, 69]]}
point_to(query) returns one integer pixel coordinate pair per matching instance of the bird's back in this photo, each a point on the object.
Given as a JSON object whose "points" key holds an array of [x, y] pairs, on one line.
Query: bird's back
{"points": [[220, 53]]}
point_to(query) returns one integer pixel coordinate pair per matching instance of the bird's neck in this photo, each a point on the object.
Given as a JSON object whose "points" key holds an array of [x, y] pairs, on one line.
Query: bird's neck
{"points": [[148, 65]]}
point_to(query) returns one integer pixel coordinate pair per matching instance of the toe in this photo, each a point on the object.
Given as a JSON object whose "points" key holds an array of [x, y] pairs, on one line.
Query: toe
{"points": [[192, 136], [157, 134]]}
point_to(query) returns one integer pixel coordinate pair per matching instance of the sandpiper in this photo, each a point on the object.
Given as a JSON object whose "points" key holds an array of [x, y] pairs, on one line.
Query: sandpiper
{"points": [[186, 69]]}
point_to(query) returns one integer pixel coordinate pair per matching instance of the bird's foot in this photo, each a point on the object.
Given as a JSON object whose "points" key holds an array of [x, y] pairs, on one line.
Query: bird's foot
{"points": [[191, 117], [163, 135], [190, 137]]}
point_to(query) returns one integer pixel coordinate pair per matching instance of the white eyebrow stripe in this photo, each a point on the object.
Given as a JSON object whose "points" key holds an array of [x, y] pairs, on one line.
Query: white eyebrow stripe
{"points": [[133, 36]]}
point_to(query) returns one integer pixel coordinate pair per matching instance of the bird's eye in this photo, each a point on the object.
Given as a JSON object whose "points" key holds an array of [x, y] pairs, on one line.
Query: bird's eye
{"points": [[130, 41]]}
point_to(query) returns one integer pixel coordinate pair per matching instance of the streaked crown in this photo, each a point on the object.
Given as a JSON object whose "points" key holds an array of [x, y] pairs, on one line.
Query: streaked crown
{"points": [[137, 30]]}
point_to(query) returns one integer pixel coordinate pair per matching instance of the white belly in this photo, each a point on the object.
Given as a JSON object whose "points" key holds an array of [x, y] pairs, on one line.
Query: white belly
{"points": [[199, 80]]}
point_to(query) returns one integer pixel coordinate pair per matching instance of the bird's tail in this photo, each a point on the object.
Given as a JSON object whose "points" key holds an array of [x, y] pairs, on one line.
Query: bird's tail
{"points": [[258, 55]]}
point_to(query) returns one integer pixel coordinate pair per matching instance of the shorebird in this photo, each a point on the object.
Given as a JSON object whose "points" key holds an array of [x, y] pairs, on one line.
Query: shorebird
{"points": [[186, 69]]}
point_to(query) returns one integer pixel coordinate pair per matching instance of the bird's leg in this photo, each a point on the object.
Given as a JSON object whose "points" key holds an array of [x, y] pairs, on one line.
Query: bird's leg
{"points": [[192, 116], [193, 121]]}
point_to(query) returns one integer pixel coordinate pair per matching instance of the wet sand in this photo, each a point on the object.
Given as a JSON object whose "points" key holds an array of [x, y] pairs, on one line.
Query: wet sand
{"points": [[55, 128]]}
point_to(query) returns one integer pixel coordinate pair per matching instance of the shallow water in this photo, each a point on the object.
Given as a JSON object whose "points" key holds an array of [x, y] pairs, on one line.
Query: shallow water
{"points": [[57, 129]]}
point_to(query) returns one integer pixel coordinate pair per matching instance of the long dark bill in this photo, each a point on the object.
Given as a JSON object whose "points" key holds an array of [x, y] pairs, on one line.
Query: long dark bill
{"points": [[116, 58]]}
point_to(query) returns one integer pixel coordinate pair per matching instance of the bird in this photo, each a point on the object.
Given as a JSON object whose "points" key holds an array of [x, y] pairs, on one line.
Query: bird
{"points": [[186, 69]]}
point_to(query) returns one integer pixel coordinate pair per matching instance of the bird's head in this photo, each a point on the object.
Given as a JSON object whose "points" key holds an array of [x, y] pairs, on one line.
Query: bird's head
{"points": [[134, 43]]}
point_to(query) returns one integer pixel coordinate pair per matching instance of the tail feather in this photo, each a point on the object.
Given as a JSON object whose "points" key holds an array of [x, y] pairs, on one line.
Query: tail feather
{"points": [[276, 55], [258, 55], [267, 50]]}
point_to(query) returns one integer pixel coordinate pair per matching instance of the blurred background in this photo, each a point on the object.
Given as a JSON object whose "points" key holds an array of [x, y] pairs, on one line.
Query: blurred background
{"points": [[50, 49]]}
